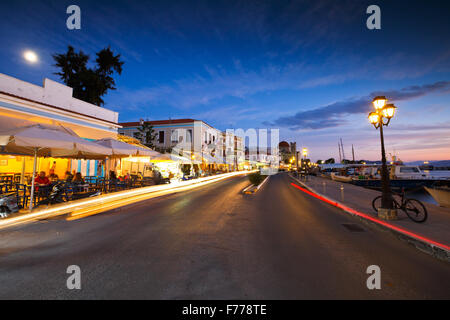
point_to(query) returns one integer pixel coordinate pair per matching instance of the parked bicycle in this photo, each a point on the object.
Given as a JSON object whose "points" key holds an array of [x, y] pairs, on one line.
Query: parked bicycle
{"points": [[413, 208]]}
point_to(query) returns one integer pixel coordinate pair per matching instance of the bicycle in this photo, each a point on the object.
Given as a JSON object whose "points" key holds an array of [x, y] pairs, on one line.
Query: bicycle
{"points": [[413, 208]]}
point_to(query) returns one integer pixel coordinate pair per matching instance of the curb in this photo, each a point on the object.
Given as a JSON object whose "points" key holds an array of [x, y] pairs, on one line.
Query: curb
{"points": [[433, 248], [255, 188]]}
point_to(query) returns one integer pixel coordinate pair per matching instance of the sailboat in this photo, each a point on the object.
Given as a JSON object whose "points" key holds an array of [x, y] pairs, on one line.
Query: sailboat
{"points": [[339, 177]]}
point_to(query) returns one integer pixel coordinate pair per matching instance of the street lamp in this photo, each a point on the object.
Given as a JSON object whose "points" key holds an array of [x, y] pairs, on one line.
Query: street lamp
{"points": [[304, 152], [381, 117]]}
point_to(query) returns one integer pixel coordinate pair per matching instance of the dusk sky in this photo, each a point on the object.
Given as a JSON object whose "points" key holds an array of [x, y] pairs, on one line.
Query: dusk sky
{"points": [[309, 68]]}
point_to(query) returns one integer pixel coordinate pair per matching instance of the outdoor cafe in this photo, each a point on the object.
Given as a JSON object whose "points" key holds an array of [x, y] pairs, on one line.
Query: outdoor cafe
{"points": [[35, 158]]}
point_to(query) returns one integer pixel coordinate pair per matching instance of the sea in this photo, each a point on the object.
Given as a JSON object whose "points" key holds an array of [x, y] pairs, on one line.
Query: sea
{"points": [[422, 195]]}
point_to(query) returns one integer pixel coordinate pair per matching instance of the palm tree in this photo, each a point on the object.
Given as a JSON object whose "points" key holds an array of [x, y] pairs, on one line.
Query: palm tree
{"points": [[88, 84]]}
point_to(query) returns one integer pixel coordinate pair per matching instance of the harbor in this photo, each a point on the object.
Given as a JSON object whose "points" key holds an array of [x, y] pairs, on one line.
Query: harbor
{"points": [[420, 183]]}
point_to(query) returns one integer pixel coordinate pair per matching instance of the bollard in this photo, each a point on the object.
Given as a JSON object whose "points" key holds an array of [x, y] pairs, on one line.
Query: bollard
{"points": [[342, 192], [324, 185]]}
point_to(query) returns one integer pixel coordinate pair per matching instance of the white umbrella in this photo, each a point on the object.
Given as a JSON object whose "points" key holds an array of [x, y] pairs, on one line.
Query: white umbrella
{"points": [[119, 148], [145, 152], [51, 141], [122, 149], [171, 157]]}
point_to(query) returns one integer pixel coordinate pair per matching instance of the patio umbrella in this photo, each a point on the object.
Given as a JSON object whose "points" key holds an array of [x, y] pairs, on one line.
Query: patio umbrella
{"points": [[171, 157], [118, 148], [49, 141], [123, 149]]}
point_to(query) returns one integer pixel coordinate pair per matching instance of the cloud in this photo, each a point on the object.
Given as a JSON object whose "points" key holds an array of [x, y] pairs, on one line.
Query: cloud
{"points": [[331, 115]]}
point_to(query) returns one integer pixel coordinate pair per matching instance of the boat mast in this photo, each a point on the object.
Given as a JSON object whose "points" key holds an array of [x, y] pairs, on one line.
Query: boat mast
{"points": [[343, 154], [353, 153], [339, 147]]}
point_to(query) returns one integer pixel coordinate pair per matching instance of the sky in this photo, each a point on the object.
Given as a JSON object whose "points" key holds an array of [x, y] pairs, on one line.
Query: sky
{"points": [[309, 68]]}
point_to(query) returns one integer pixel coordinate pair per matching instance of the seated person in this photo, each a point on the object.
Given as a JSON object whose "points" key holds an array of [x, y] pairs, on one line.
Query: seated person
{"points": [[53, 176], [68, 177], [125, 177], [41, 179], [112, 175], [78, 179]]}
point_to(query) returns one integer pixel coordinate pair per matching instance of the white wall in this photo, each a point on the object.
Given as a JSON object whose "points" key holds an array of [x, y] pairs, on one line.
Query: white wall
{"points": [[55, 94]]}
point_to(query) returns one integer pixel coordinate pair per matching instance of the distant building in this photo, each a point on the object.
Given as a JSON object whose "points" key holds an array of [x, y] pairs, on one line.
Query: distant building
{"points": [[287, 152], [284, 147], [193, 138]]}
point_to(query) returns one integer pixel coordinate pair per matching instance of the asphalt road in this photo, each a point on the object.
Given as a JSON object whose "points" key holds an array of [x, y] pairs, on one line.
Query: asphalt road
{"points": [[216, 243]]}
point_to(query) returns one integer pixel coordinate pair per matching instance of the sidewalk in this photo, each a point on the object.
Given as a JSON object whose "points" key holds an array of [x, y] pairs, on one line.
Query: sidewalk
{"points": [[436, 228]]}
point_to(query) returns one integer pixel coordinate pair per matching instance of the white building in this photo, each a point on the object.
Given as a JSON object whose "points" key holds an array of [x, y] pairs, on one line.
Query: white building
{"points": [[193, 138], [23, 103]]}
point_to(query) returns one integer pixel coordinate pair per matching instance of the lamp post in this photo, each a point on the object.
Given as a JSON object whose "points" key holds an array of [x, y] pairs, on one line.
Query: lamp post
{"points": [[381, 117], [305, 154]]}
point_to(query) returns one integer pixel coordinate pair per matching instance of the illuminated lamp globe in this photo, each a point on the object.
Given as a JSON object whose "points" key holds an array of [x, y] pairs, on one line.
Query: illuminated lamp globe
{"points": [[379, 102]]}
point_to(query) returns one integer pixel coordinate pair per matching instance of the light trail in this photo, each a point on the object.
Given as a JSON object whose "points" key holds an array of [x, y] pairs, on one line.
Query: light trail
{"points": [[90, 206]]}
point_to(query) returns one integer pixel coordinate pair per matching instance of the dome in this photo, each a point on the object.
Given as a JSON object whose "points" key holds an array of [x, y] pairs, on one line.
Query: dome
{"points": [[283, 144]]}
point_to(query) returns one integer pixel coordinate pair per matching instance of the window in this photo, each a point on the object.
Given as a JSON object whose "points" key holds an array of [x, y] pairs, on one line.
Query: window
{"points": [[161, 137], [408, 169], [174, 136], [189, 135], [206, 137]]}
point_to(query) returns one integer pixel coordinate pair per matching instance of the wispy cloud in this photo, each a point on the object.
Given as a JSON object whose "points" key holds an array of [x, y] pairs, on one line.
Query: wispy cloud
{"points": [[331, 115]]}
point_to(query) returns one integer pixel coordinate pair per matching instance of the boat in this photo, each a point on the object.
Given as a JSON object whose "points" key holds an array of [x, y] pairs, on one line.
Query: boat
{"points": [[440, 194], [340, 178], [403, 177]]}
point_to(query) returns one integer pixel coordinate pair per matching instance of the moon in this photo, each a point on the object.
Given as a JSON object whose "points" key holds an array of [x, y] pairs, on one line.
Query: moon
{"points": [[30, 56]]}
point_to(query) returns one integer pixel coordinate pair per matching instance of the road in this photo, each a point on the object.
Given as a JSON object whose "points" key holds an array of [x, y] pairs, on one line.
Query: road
{"points": [[216, 243]]}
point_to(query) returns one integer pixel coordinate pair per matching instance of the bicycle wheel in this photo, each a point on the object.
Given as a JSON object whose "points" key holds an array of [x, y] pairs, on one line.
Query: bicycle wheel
{"points": [[376, 203], [415, 210]]}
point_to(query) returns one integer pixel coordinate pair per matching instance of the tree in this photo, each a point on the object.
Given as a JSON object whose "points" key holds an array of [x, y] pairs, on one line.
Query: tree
{"points": [[146, 134], [89, 84], [331, 160]]}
